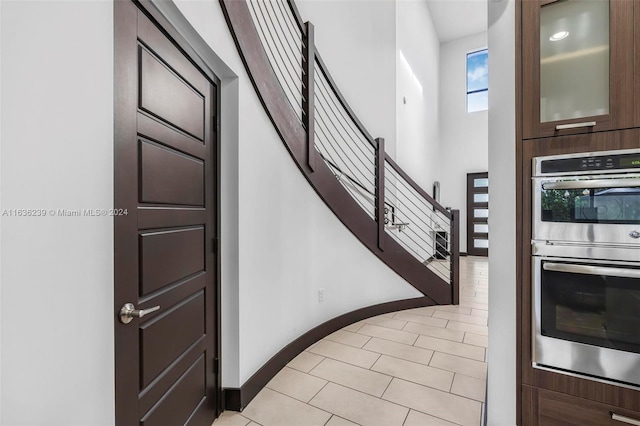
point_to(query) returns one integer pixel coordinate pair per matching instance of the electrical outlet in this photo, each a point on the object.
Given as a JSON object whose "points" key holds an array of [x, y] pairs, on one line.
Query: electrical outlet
{"points": [[320, 294]]}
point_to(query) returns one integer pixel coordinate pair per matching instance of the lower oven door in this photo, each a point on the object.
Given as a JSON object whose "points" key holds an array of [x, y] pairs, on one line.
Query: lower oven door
{"points": [[586, 317]]}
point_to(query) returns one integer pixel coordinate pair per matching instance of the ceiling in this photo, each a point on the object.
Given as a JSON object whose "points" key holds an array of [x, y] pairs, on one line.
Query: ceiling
{"points": [[455, 19]]}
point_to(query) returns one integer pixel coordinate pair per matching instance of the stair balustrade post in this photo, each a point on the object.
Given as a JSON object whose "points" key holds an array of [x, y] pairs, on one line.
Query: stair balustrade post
{"points": [[455, 257], [308, 90], [379, 190]]}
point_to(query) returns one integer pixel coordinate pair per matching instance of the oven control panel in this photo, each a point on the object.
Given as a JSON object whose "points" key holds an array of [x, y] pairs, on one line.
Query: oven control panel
{"points": [[593, 162]]}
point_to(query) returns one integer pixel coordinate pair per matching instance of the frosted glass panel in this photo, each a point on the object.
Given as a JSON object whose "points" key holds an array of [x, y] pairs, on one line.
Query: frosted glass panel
{"points": [[480, 198], [477, 243], [481, 183], [481, 228], [574, 59], [480, 212]]}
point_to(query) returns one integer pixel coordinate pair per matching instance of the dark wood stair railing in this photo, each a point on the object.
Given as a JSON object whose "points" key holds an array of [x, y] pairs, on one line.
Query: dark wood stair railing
{"points": [[402, 254]]}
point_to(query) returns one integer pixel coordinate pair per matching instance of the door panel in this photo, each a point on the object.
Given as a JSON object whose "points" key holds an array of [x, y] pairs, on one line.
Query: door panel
{"points": [[187, 394], [161, 265], [477, 214], [165, 338], [165, 176], [170, 177], [176, 96]]}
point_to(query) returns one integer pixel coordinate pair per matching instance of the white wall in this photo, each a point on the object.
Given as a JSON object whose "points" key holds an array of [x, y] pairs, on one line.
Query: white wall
{"points": [[463, 136], [289, 243], [501, 398], [417, 88], [57, 272]]}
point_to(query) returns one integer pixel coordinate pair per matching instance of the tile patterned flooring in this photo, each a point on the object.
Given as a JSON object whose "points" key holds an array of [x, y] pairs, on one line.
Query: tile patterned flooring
{"points": [[419, 367]]}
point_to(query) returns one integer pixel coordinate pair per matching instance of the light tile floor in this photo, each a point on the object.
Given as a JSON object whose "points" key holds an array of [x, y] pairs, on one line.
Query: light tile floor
{"points": [[419, 367]]}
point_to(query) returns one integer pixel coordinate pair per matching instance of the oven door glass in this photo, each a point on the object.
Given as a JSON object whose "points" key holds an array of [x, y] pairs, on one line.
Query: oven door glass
{"points": [[593, 304], [614, 201]]}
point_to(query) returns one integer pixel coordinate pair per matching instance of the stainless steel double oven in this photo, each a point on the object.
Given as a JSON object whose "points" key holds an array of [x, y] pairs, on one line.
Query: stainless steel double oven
{"points": [[586, 264]]}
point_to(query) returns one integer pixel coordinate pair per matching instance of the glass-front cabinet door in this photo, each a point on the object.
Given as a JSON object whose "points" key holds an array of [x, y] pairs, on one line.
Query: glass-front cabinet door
{"points": [[577, 66]]}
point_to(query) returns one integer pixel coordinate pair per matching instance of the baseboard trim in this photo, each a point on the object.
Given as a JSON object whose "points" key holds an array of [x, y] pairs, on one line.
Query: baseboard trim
{"points": [[237, 399]]}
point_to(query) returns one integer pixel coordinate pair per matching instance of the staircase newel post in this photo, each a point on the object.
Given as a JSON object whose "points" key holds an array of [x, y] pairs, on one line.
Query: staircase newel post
{"points": [[308, 90], [455, 257], [379, 190]]}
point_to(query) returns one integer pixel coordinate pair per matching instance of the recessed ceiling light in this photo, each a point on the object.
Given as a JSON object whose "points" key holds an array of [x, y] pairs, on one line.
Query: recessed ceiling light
{"points": [[559, 35]]}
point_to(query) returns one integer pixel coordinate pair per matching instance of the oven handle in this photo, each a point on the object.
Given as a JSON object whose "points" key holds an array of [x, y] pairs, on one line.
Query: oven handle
{"points": [[591, 270], [595, 183]]}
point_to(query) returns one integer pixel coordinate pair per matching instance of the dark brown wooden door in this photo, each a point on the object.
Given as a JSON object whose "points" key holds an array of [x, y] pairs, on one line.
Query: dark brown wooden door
{"points": [[165, 178], [565, 57], [478, 214]]}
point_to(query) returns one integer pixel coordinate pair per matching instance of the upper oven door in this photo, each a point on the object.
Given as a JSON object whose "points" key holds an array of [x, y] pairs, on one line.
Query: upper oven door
{"points": [[601, 209]]}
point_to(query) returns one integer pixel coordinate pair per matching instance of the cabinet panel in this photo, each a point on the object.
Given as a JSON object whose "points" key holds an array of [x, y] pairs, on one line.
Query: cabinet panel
{"points": [[532, 378], [577, 66], [546, 408]]}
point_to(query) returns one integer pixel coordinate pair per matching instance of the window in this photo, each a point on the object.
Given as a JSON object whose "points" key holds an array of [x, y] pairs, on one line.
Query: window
{"points": [[478, 81]]}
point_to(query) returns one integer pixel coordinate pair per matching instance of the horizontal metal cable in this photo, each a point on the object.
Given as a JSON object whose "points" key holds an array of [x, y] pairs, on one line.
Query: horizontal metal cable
{"points": [[291, 19], [325, 82], [327, 90], [367, 204], [355, 135], [320, 123], [295, 39], [321, 114], [429, 207], [445, 276], [351, 189], [293, 94], [294, 55], [409, 248], [342, 159], [440, 268], [409, 229], [329, 160], [439, 221], [321, 100], [343, 173], [397, 202], [413, 218], [370, 156], [270, 25]]}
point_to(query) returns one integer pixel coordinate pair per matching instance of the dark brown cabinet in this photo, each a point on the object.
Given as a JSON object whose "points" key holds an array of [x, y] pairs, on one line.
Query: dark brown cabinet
{"points": [[578, 66], [548, 408], [578, 86]]}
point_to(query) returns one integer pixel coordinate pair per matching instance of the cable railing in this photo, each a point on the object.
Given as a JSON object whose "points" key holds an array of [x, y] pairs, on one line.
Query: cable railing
{"points": [[407, 222], [283, 43]]}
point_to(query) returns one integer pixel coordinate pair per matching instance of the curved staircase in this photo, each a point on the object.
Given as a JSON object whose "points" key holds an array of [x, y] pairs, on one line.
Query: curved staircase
{"points": [[349, 169]]}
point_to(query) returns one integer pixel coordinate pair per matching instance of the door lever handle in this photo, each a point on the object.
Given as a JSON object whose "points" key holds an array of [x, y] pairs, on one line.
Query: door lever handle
{"points": [[634, 234], [128, 312]]}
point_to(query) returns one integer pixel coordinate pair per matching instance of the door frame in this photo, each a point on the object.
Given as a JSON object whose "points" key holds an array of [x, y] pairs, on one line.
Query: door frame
{"points": [[471, 250], [126, 197]]}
